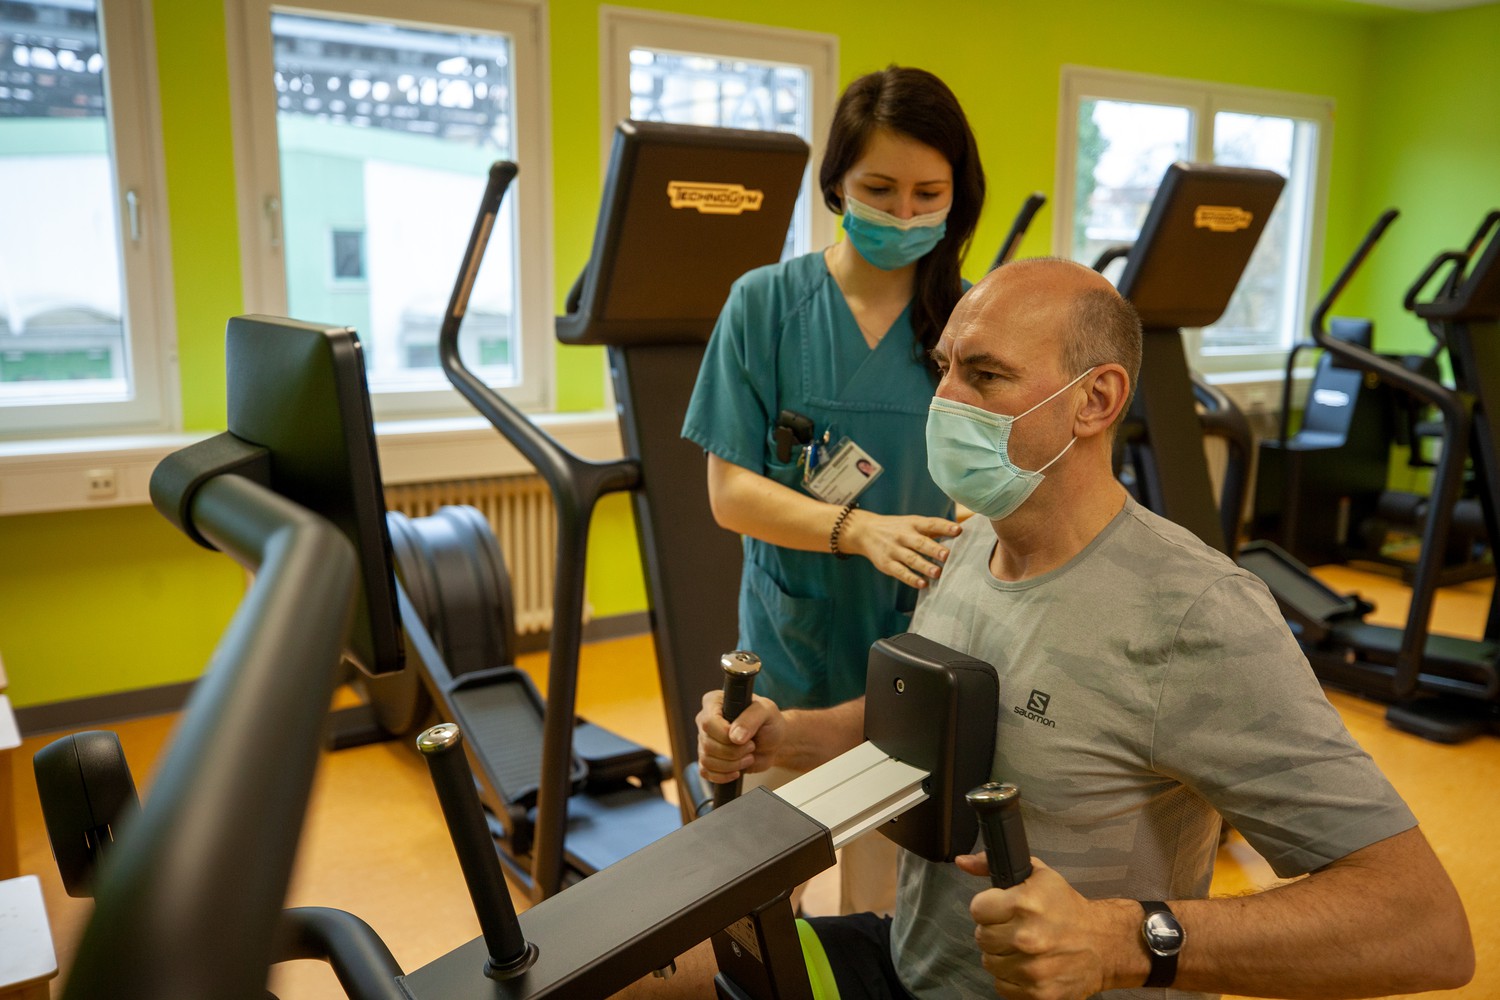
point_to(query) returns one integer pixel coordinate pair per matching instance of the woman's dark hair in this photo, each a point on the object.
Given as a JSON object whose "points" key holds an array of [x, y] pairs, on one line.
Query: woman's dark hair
{"points": [[915, 104]]}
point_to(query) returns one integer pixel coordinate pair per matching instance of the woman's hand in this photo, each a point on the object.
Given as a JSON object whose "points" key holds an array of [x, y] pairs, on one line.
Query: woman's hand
{"points": [[903, 546]]}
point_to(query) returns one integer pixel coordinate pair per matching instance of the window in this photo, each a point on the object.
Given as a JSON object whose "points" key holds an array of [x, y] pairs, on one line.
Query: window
{"points": [[348, 247], [84, 265], [1120, 132], [695, 71], [365, 139]]}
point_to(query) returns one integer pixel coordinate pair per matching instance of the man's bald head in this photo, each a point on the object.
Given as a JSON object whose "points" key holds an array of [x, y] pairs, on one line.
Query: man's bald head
{"points": [[1063, 301]]}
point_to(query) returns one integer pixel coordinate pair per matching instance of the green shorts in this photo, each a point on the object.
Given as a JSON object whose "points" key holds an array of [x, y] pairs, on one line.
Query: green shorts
{"points": [[849, 958]]}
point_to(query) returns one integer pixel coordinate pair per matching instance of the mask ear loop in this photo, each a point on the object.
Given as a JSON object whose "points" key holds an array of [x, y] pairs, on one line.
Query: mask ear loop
{"points": [[1059, 392], [1069, 446], [1066, 448]]}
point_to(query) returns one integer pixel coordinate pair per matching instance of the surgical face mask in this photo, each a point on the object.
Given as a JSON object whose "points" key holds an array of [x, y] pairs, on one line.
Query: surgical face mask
{"points": [[968, 456], [888, 242]]}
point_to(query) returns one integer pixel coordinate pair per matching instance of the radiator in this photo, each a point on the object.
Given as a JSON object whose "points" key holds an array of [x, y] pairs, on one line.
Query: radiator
{"points": [[519, 510]]}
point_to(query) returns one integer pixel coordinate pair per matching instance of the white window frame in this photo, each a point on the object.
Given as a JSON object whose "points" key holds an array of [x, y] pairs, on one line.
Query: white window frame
{"points": [[133, 107], [622, 29], [1205, 99], [258, 169]]}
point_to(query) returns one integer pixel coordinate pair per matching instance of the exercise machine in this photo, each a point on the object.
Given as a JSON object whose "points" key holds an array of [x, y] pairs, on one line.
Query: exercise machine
{"points": [[1315, 487], [1467, 555], [685, 211], [1181, 271], [233, 785], [1321, 492], [1444, 688]]}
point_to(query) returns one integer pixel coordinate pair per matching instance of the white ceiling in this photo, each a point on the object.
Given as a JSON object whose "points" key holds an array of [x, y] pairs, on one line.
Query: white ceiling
{"points": [[1426, 5]]}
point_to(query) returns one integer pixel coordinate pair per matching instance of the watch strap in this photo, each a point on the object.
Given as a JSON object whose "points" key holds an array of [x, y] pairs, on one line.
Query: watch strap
{"points": [[1163, 967]]}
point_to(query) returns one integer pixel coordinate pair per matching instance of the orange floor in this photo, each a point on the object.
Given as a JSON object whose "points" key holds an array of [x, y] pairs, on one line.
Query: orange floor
{"points": [[374, 843]]}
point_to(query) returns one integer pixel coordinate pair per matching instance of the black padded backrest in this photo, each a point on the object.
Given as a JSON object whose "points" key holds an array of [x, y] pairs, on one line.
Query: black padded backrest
{"points": [[1331, 397], [1196, 240], [686, 211]]}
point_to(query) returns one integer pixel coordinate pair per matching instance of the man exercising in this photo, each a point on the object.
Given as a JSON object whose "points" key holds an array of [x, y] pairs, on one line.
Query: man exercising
{"points": [[1147, 686]]}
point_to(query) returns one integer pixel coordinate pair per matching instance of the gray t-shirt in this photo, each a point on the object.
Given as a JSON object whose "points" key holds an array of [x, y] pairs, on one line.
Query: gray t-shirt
{"points": [[1146, 686]]}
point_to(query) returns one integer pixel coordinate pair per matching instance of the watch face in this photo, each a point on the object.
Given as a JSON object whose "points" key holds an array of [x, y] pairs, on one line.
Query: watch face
{"points": [[1163, 933]]}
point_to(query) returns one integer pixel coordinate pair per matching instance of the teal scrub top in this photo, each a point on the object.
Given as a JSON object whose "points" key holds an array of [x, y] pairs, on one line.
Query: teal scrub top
{"points": [[787, 340]]}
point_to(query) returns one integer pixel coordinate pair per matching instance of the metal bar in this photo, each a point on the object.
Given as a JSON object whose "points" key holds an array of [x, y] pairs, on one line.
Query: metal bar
{"points": [[247, 744], [856, 792]]}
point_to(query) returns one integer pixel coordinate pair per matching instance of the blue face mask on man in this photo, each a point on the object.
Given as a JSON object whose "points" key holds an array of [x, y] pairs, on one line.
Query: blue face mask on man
{"points": [[889, 242], [968, 456]]}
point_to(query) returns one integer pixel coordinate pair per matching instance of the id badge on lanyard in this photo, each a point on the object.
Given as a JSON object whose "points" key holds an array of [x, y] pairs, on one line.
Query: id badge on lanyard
{"points": [[840, 473]]}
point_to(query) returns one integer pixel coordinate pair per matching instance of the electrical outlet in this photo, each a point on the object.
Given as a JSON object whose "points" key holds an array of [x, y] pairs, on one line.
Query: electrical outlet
{"points": [[102, 484]]}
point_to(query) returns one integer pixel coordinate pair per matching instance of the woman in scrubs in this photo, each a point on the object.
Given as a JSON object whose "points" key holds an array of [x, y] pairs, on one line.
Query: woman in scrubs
{"points": [[812, 399]]}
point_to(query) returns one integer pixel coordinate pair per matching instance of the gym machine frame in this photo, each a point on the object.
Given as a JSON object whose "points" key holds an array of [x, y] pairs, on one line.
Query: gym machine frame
{"points": [[254, 726], [1445, 687], [1182, 271]]}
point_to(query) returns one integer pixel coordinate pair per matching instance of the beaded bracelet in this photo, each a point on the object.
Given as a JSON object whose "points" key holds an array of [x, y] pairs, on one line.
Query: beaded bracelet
{"points": [[838, 525]]}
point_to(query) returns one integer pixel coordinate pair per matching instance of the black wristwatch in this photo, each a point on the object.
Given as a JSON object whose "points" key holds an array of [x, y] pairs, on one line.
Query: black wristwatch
{"points": [[1164, 937]]}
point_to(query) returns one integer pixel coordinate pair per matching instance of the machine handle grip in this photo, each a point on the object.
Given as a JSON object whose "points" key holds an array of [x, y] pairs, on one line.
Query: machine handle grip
{"points": [[510, 954], [740, 668], [998, 806]]}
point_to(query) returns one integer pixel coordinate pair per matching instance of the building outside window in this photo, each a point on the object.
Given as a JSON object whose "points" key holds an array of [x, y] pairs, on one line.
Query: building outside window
{"points": [[380, 133], [696, 71], [83, 265]]}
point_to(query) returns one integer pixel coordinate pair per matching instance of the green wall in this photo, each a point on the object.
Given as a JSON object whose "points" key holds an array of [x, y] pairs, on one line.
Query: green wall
{"points": [[106, 601], [1434, 154], [103, 601]]}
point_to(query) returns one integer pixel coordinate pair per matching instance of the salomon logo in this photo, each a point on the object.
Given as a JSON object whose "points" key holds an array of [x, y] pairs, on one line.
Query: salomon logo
{"points": [[1036, 708]]}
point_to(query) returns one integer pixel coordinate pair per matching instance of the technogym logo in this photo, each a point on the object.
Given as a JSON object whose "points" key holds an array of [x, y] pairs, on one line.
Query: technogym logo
{"points": [[1036, 709], [714, 199], [1222, 218]]}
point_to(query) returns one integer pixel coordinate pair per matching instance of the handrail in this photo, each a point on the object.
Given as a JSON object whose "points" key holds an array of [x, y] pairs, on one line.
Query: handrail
{"points": [[1284, 429], [1459, 258], [1457, 414], [189, 901], [1109, 255], [572, 479], [361, 961], [577, 485], [1362, 357], [1018, 227]]}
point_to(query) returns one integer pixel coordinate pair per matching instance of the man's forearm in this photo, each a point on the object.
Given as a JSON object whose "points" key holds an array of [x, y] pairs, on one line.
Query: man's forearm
{"points": [[817, 735], [1384, 920]]}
